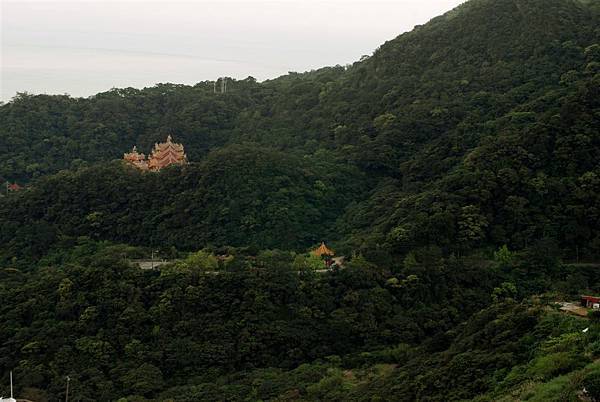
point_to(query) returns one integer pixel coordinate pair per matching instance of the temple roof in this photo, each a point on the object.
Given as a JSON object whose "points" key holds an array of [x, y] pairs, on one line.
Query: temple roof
{"points": [[163, 155], [14, 187], [323, 250], [134, 155]]}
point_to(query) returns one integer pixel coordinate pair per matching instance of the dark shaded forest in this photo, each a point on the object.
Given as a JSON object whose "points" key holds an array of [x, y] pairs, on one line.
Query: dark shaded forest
{"points": [[456, 168]]}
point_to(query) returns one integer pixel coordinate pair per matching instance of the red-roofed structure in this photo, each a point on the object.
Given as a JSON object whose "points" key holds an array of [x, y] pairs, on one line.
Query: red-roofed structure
{"points": [[136, 159], [590, 301], [163, 155], [14, 187]]}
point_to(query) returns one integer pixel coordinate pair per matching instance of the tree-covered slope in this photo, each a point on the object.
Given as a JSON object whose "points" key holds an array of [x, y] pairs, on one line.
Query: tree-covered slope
{"points": [[531, 174], [475, 63], [502, 93], [43, 134], [477, 129], [263, 328], [507, 352], [240, 195], [123, 331]]}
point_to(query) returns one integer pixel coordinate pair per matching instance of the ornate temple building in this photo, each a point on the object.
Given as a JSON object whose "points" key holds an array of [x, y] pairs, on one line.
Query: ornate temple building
{"points": [[136, 159], [163, 155], [325, 253]]}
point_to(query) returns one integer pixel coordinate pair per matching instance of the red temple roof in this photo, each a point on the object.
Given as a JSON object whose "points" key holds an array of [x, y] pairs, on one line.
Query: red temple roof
{"points": [[163, 155], [14, 187]]}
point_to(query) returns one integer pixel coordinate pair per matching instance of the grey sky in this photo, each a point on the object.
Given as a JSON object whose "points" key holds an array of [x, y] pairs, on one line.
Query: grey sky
{"points": [[84, 47]]}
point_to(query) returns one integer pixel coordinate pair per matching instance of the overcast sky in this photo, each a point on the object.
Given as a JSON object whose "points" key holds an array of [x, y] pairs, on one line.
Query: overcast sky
{"points": [[84, 47]]}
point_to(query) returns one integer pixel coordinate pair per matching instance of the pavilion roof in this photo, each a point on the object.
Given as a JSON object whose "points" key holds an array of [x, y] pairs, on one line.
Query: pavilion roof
{"points": [[323, 250]]}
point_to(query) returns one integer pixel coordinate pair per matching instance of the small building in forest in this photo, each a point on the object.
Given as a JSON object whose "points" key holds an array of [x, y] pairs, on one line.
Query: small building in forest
{"points": [[9, 187], [590, 301], [13, 187], [163, 155], [325, 253]]}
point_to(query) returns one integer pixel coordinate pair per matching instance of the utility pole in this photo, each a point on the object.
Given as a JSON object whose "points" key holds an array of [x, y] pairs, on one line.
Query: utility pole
{"points": [[223, 84], [67, 394], [11, 387]]}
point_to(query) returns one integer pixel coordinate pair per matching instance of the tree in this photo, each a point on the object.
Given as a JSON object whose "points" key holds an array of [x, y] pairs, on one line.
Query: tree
{"points": [[144, 379]]}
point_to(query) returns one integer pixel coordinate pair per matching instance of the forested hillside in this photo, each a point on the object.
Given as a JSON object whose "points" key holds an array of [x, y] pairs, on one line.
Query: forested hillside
{"points": [[456, 168], [479, 128]]}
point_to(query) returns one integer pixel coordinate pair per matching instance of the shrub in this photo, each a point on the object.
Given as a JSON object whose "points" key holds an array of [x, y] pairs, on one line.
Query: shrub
{"points": [[548, 366], [593, 349], [592, 384], [559, 389], [594, 315]]}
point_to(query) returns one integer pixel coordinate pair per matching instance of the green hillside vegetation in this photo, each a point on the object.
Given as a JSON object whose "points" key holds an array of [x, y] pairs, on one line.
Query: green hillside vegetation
{"points": [[456, 169], [240, 195], [473, 131], [257, 328], [551, 360]]}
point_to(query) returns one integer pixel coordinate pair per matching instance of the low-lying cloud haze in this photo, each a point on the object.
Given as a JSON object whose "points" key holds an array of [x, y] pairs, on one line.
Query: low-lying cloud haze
{"points": [[84, 47]]}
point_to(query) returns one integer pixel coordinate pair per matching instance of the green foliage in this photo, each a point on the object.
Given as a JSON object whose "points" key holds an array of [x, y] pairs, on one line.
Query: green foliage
{"points": [[239, 196], [506, 291], [593, 349], [201, 260], [504, 257], [117, 330], [308, 262], [594, 315], [482, 136], [144, 379], [552, 364], [592, 384], [559, 389]]}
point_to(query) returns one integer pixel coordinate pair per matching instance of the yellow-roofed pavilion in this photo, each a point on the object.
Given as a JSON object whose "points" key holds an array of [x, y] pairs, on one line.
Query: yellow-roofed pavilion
{"points": [[323, 250]]}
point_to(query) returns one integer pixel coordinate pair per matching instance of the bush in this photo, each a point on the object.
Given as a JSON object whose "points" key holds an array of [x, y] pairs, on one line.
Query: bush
{"points": [[592, 384], [548, 366], [594, 315], [593, 349], [559, 389], [144, 379]]}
